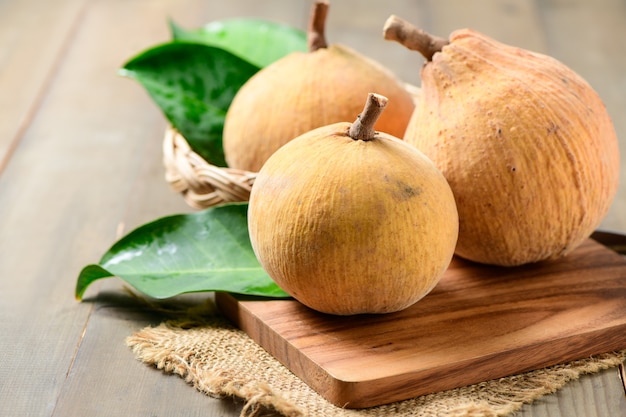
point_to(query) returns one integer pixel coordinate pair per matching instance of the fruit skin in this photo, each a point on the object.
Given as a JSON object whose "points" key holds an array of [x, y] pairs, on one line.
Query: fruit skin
{"points": [[303, 91], [352, 226], [526, 144]]}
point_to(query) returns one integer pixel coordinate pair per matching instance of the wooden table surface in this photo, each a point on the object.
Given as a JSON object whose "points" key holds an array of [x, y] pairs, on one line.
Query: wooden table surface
{"points": [[80, 162]]}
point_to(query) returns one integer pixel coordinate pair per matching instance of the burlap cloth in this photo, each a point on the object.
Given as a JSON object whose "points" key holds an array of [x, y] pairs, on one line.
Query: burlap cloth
{"points": [[221, 361]]}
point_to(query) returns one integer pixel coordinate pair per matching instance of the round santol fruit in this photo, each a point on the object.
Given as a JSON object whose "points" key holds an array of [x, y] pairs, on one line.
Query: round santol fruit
{"points": [[348, 220], [526, 144], [306, 90]]}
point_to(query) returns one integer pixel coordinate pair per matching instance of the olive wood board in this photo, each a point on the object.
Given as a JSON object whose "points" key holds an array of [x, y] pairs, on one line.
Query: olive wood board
{"points": [[479, 323]]}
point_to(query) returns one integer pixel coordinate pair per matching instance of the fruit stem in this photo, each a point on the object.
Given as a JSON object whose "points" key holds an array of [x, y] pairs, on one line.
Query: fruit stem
{"points": [[399, 30], [363, 126], [317, 26]]}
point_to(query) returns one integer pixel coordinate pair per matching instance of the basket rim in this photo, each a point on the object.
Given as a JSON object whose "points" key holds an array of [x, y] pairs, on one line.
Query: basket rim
{"points": [[201, 183]]}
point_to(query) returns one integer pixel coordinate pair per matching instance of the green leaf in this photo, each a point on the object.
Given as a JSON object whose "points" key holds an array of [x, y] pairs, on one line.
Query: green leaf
{"points": [[193, 84], [208, 250], [258, 41]]}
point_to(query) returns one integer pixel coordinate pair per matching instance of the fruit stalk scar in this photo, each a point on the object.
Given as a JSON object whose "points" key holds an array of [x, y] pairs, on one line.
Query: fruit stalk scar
{"points": [[317, 26], [363, 126], [403, 32]]}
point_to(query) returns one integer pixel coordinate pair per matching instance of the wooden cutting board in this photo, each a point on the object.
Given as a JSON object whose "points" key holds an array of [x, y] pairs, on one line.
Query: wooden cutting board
{"points": [[479, 323]]}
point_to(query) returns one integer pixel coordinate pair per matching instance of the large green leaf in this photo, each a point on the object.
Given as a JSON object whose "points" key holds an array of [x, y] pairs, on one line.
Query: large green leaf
{"points": [[208, 250], [193, 84], [258, 41]]}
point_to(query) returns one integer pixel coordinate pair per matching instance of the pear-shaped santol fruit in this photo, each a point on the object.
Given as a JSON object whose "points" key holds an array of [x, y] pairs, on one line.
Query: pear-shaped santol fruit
{"points": [[306, 90], [525, 143], [348, 220]]}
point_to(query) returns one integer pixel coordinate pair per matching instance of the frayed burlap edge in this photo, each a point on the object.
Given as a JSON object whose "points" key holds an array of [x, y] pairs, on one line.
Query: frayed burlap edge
{"points": [[222, 361]]}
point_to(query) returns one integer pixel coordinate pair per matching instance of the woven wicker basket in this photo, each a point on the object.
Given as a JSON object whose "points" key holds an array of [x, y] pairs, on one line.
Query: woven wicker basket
{"points": [[202, 185]]}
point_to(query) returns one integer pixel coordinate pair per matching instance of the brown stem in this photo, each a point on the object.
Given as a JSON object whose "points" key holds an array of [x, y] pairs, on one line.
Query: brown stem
{"points": [[413, 38], [317, 25], [363, 126]]}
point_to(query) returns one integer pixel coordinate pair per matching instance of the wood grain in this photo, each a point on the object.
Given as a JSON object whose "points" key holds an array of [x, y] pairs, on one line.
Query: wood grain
{"points": [[39, 323], [596, 395], [105, 368], [68, 183], [26, 69], [479, 323]]}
